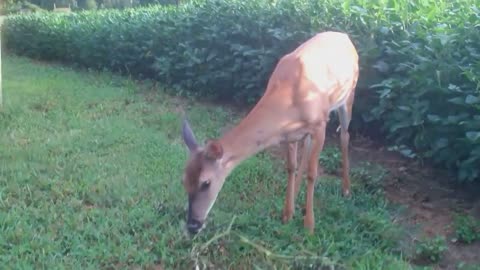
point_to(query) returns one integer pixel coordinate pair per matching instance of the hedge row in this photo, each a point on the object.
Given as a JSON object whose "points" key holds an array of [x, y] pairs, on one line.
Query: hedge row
{"points": [[419, 81]]}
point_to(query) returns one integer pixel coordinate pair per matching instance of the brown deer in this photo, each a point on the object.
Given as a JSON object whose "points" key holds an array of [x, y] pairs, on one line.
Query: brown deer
{"points": [[320, 76]]}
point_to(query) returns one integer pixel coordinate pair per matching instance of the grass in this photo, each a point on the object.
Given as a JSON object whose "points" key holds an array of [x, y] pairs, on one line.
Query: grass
{"points": [[90, 169]]}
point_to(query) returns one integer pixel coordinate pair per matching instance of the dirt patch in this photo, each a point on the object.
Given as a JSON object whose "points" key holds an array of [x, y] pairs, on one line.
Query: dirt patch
{"points": [[430, 196]]}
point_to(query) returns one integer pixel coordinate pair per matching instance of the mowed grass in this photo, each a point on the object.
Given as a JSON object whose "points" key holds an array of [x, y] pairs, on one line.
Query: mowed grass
{"points": [[90, 178]]}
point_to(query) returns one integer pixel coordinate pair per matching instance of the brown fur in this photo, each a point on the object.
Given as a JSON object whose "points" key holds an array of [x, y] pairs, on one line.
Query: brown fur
{"points": [[192, 172]]}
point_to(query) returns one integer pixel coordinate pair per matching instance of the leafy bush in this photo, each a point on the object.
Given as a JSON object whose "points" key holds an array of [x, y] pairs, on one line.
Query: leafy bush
{"points": [[431, 249], [419, 60], [430, 102], [467, 228]]}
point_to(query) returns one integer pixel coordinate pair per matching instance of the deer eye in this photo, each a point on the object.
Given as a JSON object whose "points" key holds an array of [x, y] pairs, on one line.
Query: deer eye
{"points": [[205, 185]]}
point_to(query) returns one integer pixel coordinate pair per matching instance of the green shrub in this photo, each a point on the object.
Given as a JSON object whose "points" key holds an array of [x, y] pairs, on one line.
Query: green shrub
{"points": [[467, 228], [419, 60], [430, 102], [431, 249]]}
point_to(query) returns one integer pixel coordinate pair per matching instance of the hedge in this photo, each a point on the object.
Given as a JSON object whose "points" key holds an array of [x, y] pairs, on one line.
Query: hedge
{"points": [[420, 62]]}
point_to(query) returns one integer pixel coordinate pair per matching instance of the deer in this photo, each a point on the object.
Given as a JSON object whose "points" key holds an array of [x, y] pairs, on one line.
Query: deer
{"points": [[306, 85]]}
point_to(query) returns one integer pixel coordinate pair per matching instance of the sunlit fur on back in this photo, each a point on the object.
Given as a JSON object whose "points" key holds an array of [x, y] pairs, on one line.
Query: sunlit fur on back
{"points": [[318, 77]]}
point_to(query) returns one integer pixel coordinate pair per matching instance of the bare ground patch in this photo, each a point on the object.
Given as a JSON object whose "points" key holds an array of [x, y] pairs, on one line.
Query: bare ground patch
{"points": [[431, 198]]}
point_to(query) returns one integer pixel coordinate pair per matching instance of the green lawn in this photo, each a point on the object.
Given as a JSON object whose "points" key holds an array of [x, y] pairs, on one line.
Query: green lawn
{"points": [[90, 178]]}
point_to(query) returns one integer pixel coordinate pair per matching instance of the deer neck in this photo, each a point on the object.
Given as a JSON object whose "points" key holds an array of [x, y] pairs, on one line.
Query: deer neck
{"points": [[264, 126]]}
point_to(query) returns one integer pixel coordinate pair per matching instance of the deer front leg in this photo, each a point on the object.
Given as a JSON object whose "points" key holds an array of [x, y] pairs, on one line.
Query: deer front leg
{"points": [[289, 208], [318, 139]]}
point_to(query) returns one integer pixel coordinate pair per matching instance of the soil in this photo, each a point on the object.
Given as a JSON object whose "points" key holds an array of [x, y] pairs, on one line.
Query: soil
{"points": [[430, 196]]}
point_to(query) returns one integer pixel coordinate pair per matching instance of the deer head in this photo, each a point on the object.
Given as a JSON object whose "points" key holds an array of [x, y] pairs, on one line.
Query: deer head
{"points": [[203, 177]]}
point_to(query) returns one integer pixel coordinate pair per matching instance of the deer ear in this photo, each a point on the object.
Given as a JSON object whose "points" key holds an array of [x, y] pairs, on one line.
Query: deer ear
{"points": [[188, 136], [213, 150]]}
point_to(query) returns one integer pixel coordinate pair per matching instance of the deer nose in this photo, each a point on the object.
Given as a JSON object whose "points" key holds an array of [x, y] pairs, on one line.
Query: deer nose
{"points": [[194, 226]]}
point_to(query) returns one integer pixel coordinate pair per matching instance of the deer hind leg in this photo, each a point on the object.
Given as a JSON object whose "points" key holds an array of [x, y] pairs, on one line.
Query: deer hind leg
{"points": [[345, 115], [318, 139], [289, 209]]}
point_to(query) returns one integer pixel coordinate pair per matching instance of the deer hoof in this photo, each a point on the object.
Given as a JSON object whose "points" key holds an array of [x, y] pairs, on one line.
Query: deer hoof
{"points": [[309, 226], [287, 216]]}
